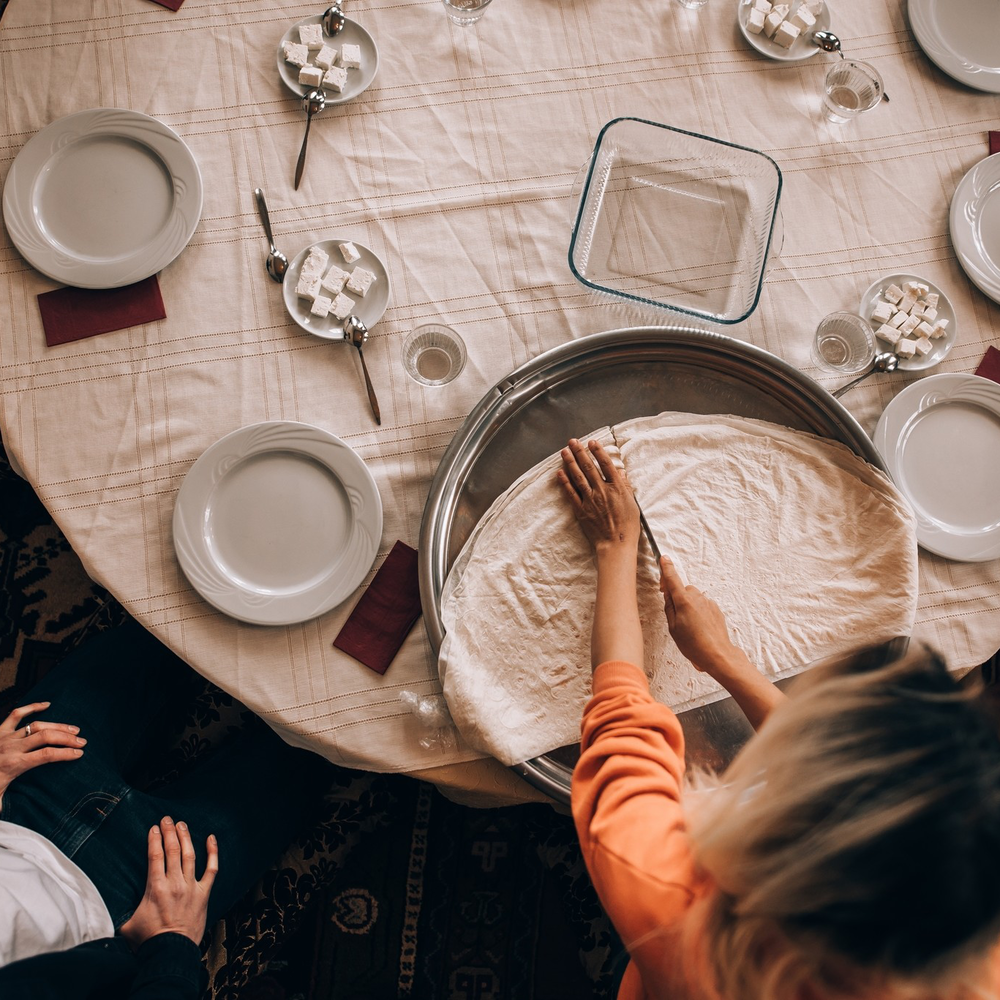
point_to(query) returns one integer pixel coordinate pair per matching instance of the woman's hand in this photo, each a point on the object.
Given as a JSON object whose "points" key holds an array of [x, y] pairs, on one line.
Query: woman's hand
{"points": [[26, 747], [175, 901], [600, 496]]}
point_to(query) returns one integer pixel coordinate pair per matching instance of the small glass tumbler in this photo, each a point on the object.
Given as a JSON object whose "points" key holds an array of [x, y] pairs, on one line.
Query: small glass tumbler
{"points": [[851, 89], [465, 12], [433, 354], [844, 343], [692, 4]]}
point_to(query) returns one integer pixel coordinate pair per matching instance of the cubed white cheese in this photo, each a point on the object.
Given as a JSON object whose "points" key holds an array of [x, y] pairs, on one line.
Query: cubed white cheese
{"points": [[786, 34], [335, 280], [909, 325], [898, 319], [326, 57], [892, 294], [335, 78], [297, 55], [882, 312], [814, 7], [350, 56], [321, 307], [932, 299], [930, 313], [907, 302], [343, 306], [924, 328], [906, 348], [917, 309], [311, 35], [310, 76], [924, 346], [940, 329], [764, 6], [350, 252], [315, 262], [888, 333], [803, 19], [774, 19], [360, 281], [307, 287], [755, 22]]}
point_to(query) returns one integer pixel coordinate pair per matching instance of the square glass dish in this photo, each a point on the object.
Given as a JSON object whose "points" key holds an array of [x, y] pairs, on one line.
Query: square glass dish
{"points": [[676, 220]]}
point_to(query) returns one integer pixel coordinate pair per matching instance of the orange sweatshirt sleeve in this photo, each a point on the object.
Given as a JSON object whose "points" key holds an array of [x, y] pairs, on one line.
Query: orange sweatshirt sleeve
{"points": [[626, 806]]}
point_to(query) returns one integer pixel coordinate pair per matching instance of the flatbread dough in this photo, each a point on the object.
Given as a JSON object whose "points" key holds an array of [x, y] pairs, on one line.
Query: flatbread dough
{"points": [[807, 549]]}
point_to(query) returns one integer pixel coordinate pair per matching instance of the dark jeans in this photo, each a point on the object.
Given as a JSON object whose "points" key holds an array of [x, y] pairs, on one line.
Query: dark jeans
{"points": [[123, 688]]}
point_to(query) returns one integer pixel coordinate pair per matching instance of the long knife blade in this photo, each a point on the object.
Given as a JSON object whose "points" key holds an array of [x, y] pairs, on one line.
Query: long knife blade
{"points": [[648, 531]]}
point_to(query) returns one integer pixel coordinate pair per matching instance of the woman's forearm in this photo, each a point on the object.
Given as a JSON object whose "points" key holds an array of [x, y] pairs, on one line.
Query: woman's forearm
{"points": [[749, 688], [617, 632]]}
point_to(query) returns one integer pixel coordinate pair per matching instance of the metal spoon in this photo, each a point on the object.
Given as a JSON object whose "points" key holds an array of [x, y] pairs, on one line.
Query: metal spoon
{"points": [[357, 333], [333, 20], [277, 262], [312, 104], [829, 42], [883, 362]]}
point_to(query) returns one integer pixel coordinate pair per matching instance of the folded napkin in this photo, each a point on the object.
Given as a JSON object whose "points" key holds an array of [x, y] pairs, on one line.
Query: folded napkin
{"points": [[387, 611], [75, 313], [994, 142], [989, 367]]}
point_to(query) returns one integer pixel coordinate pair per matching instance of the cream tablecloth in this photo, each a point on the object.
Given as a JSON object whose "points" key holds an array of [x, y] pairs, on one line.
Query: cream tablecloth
{"points": [[456, 167]]}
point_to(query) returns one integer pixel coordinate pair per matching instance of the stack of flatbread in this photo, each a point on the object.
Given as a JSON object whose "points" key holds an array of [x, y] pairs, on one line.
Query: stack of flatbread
{"points": [[807, 549]]}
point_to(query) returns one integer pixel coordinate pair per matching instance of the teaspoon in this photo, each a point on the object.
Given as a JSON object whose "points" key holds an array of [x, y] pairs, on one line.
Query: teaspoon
{"points": [[357, 333], [829, 42], [312, 103], [333, 20], [883, 362], [277, 262]]}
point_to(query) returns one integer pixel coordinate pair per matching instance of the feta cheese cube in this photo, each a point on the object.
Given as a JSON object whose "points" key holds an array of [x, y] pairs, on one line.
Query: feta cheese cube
{"points": [[335, 280], [803, 19], [307, 287], [888, 333], [815, 7], [350, 56], [940, 329], [360, 281], [350, 252], [893, 294], [906, 348], [297, 55], [930, 313], [755, 22], [764, 6], [924, 346], [311, 35], [774, 19], [786, 34], [342, 306], [898, 319], [907, 302], [924, 328], [315, 263], [882, 312], [917, 309], [310, 76], [932, 299], [909, 325], [326, 57], [321, 307], [335, 78]]}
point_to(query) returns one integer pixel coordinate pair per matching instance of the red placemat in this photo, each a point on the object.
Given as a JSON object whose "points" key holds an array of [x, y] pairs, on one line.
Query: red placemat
{"points": [[994, 142], [989, 367], [170, 4], [387, 611], [70, 314]]}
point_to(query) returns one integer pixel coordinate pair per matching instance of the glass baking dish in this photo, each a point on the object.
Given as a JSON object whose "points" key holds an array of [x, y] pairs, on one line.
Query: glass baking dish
{"points": [[676, 220]]}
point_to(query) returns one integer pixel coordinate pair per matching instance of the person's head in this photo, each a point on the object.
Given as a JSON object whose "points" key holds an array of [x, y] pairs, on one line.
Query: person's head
{"points": [[855, 844]]}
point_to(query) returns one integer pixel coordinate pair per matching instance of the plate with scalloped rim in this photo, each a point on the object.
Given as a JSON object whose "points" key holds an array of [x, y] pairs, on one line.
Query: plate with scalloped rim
{"points": [[974, 220], [102, 198], [937, 438], [961, 37], [358, 80], [801, 48], [277, 522]]}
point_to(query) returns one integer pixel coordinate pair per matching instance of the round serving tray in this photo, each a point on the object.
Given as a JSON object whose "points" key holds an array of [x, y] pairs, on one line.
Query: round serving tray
{"points": [[585, 384]]}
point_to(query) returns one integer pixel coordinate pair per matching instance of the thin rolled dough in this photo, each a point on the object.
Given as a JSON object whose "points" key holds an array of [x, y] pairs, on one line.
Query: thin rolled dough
{"points": [[807, 549]]}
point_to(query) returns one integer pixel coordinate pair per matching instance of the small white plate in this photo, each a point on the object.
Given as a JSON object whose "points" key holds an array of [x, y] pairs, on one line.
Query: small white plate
{"points": [[102, 198], [801, 48], [939, 438], [370, 309], [358, 80], [962, 37], [277, 523], [945, 311], [975, 224]]}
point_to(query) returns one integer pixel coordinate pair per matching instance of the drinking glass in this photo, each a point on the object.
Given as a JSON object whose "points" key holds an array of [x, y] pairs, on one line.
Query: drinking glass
{"points": [[844, 343], [433, 354], [465, 12], [693, 4], [851, 89]]}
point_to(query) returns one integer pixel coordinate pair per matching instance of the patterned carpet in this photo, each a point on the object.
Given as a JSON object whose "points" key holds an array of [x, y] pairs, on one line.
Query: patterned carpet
{"points": [[393, 891]]}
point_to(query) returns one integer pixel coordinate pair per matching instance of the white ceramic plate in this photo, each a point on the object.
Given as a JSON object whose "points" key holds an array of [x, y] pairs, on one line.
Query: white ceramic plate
{"points": [[962, 37], [939, 438], [369, 310], [945, 311], [277, 523], [801, 48], [358, 80], [102, 198], [975, 224]]}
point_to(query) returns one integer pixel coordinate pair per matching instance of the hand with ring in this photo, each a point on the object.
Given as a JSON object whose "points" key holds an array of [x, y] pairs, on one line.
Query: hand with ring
{"points": [[36, 743]]}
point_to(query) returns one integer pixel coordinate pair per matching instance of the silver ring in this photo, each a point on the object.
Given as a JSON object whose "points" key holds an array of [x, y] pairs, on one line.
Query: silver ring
{"points": [[27, 729]]}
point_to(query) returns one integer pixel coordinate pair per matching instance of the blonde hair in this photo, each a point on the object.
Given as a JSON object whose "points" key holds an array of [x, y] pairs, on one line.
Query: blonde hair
{"points": [[854, 847]]}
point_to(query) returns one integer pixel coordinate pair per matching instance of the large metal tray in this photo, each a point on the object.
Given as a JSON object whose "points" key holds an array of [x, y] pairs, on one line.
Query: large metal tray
{"points": [[585, 384]]}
